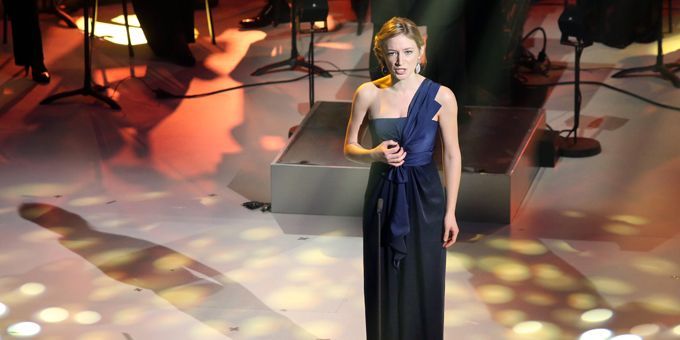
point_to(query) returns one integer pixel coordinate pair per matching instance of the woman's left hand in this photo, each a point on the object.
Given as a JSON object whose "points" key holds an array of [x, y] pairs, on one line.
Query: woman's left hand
{"points": [[450, 230]]}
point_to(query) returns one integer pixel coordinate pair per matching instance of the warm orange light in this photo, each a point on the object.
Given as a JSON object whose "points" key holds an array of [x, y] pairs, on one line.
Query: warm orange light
{"points": [[272, 143], [116, 33]]}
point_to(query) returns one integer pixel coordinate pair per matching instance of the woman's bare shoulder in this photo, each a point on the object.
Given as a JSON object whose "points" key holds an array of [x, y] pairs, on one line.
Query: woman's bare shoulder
{"points": [[445, 96], [366, 91]]}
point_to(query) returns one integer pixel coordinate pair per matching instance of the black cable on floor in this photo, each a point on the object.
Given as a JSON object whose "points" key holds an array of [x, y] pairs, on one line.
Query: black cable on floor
{"points": [[345, 71], [163, 94], [614, 88]]}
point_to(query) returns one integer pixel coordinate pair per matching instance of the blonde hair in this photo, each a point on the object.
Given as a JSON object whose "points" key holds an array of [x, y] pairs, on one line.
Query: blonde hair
{"points": [[391, 29]]}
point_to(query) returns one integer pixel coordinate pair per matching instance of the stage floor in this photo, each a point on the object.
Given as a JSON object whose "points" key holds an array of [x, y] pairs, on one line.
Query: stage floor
{"points": [[128, 224]]}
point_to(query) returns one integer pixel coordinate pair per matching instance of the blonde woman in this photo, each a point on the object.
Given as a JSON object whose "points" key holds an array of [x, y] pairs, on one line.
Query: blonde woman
{"points": [[405, 206]]}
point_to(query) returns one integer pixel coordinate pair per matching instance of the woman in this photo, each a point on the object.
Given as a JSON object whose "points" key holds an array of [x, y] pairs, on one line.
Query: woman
{"points": [[404, 201], [26, 38]]}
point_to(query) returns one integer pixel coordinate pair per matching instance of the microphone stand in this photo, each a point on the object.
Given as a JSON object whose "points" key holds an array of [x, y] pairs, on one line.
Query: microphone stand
{"points": [[87, 89], [295, 60], [578, 146], [379, 211], [310, 70], [664, 70]]}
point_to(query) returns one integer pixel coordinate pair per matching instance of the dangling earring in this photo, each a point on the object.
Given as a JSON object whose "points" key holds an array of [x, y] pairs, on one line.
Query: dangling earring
{"points": [[418, 68], [384, 69]]}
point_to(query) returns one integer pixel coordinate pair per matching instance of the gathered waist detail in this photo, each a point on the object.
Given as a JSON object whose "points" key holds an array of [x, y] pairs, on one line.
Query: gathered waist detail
{"points": [[393, 195]]}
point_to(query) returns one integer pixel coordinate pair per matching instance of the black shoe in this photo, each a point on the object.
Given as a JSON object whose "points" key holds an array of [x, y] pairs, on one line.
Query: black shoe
{"points": [[267, 16], [39, 73]]}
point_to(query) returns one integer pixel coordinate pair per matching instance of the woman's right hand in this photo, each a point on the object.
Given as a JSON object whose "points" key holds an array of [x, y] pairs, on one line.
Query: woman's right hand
{"points": [[390, 152]]}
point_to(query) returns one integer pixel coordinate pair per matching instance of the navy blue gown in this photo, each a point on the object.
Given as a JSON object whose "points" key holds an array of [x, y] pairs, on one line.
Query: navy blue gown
{"points": [[410, 216]]}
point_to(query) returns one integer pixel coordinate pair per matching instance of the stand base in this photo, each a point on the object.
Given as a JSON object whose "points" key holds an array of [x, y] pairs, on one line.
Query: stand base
{"points": [[291, 64], [666, 71], [581, 147], [63, 15], [85, 91]]}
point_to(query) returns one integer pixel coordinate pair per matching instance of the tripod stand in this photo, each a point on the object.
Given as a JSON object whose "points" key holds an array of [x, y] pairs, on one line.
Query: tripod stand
{"points": [[87, 89], [295, 60], [664, 70]]}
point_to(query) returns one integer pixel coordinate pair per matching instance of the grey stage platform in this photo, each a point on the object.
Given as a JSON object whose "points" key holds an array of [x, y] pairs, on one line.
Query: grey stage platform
{"points": [[498, 146]]}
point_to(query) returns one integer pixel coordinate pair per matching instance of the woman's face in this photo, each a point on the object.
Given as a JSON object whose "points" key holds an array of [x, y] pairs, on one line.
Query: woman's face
{"points": [[401, 56]]}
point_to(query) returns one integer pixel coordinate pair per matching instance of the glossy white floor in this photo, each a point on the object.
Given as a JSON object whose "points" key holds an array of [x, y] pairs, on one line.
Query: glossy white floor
{"points": [[129, 224]]}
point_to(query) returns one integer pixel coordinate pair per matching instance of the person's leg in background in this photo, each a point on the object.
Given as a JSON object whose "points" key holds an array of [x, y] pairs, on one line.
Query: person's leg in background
{"points": [[26, 37], [273, 12]]}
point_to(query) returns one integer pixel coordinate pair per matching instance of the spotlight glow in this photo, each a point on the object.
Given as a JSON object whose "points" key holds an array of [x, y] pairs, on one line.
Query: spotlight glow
{"points": [[293, 297], [53, 315], [260, 326], [631, 219], [656, 266], [581, 301], [315, 256], [116, 33], [539, 299], [23, 329], [146, 196], [87, 317], [676, 330], [272, 143], [596, 334], [664, 304], [597, 315], [626, 337], [89, 201], [573, 214], [32, 289], [612, 286], [495, 294], [259, 234], [621, 229], [504, 268], [646, 330], [3, 310], [511, 317], [458, 262], [525, 247], [132, 20], [527, 327], [172, 261]]}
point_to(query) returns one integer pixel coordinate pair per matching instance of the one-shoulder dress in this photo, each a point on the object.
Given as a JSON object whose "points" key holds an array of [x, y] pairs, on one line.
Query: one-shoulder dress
{"points": [[407, 205]]}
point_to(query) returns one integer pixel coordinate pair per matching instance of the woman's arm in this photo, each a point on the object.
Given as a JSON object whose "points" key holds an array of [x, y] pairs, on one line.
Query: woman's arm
{"points": [[387, 151], [448, 123]]}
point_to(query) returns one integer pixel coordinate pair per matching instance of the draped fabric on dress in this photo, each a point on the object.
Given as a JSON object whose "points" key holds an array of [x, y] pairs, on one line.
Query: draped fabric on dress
{"points": [[409, 277]]}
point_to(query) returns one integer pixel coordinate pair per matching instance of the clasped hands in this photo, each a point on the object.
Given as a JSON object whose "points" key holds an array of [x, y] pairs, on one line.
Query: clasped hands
{"points": [[390, 152]]}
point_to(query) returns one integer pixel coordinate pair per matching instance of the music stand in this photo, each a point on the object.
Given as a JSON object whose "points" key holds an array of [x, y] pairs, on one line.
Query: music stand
{"points": [[87, 89], [310, 73], [296, 61], [663, 70]]}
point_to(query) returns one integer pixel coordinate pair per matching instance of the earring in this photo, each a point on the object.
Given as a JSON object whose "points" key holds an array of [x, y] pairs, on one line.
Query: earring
{"points": [[418, 68], [384, 69]]}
